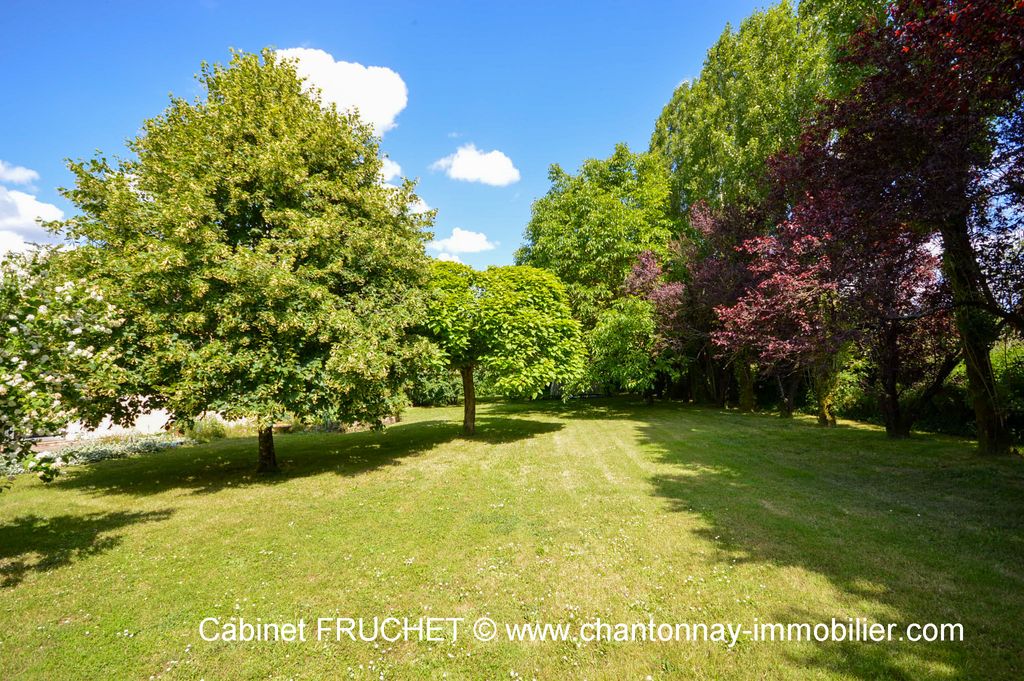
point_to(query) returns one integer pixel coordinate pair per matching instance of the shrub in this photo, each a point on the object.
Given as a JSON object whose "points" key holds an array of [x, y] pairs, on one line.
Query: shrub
{"points": [[205, 429], [435, 387], [90, 451]]}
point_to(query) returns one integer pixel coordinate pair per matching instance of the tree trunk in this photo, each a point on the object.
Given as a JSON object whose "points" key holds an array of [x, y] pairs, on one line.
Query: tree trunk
{"points": [[267, 458], [718, 381], [993, 437], [823, 379], [826, 415], [469, 399], [745, 380], [900, 419], [897, 421], [897, 424], [978, 331], [787, 393], [889, 361], [698, 382]]}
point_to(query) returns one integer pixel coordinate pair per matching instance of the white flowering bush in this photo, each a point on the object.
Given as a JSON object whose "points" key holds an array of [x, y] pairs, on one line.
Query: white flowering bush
{"points": [[51, 329]]}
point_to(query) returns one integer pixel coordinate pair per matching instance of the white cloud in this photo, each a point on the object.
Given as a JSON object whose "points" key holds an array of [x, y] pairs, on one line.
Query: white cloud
{"points": [[389, 169], [19, 212], [17, 174], [11, 241], [472, 165], [376, 91], [448, 257], [462, 241], [419, 206]]}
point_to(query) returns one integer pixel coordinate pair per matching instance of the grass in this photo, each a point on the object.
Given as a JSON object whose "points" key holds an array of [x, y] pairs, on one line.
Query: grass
{"points": [[558, 513]]}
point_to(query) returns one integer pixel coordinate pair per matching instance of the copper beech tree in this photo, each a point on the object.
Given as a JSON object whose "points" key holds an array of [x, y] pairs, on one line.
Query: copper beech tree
{"points": [[923, 154], [929, 141]]}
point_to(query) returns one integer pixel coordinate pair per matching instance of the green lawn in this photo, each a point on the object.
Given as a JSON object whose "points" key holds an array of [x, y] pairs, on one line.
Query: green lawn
{"points": [[557, 513]]}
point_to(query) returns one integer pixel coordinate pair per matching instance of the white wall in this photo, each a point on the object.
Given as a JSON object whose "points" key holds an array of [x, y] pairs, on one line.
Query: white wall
{"points": [[147, 424]]}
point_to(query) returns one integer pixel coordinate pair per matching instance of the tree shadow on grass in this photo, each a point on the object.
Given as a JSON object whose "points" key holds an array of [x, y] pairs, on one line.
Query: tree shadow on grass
{"points": [[907, 531], [583, 408], [32, 543], [206, 469], [914, 531]]}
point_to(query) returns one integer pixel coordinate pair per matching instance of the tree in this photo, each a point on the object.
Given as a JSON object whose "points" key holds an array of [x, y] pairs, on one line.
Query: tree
{"points": [[53, 361], [714, 273], [717, 131], [930, 138], [589, 228], [513, 322], [626, 351], [911, 357], [842, 270], [669, 337], [791, 318], [260, 264]]}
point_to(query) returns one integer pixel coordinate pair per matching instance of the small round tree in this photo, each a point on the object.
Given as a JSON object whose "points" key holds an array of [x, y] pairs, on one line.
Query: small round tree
{"points": [[261, 265], [513, 322]]}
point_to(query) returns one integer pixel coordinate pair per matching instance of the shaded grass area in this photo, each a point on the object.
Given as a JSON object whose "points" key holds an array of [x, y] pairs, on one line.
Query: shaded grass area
{"points": [[558, 513]]}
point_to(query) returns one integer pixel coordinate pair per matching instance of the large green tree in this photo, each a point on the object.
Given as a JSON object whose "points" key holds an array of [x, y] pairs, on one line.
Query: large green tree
{"points": [[260, 264], [512, 322], [757, 83], [590, 227]]}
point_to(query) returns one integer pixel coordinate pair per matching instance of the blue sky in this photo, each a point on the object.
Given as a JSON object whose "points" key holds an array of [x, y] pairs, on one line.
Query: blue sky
{"points": [[540, 83]]}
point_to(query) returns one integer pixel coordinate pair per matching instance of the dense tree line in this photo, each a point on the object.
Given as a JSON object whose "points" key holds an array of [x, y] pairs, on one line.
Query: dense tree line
{"points": [[845, 193], [833, 206]]}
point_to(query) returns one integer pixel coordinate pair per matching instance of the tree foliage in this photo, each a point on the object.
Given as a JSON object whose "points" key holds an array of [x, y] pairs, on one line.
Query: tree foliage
{"points": [[626, 353], [260, 263], [756, 86], [55, 361], [717, 131], [927, 145], [589, 228]]}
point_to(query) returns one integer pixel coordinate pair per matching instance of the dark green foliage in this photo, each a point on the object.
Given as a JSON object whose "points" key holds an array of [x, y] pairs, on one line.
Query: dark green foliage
{"points": [[951, 410], [433, 386]]}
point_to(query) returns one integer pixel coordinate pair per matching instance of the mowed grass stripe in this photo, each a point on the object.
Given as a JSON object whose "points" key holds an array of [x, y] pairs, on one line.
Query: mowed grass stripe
{"points": [[553, 512]]}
